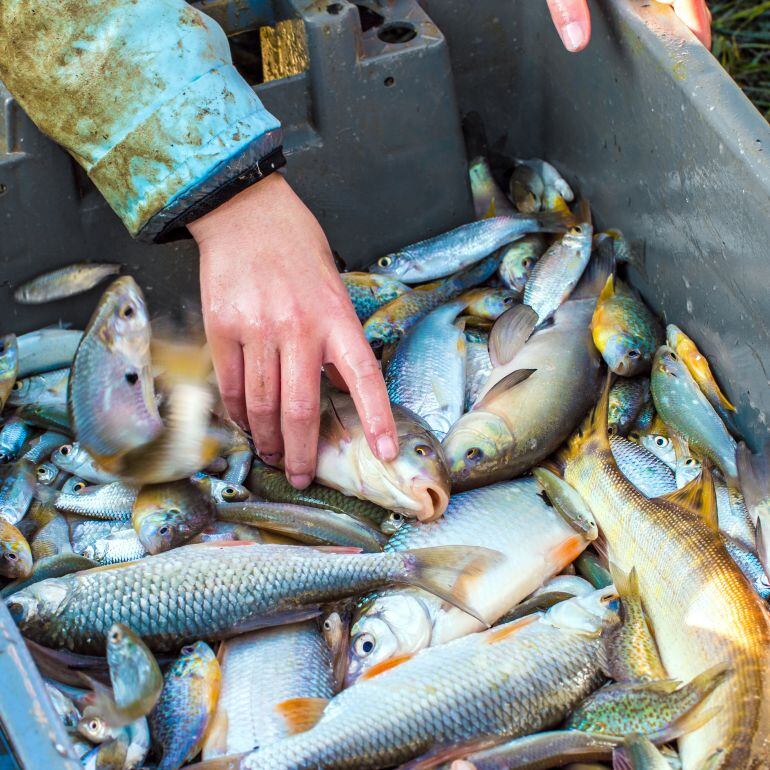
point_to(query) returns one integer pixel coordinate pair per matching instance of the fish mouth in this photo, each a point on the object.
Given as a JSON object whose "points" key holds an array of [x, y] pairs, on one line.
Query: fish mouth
{"points": [[432, 500]]}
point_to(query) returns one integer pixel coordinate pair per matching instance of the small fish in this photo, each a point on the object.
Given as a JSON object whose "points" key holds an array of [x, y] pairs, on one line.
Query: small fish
{"points": [[116, 548], [47, 473], [369, 292], [74, 459], [167, 515], [45, 350], [122, 748], [558, 271], [755, 482], [16, 492], [49, 388], [64, 282], [556, 590], [464, 246], [518, 260], [238, 466], [478, 367], [65, 709], [625, 332], [47, 416], [49, 567], [222, 531], [41, 448], [111, 399], [628, 397], [87, 532], [661, 446], [651, 476], [536, 185], [336, 631], [9, 366], [15, 553], [51, 539], [487, 303], [13, 436], [220, 491], [315, 526], [74, 484], [113, 501], [680, 402], [388, 324], [638, 753], [593, 569]]}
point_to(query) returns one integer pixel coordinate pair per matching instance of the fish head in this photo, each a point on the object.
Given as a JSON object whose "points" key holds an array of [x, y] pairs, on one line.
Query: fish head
{"points": [[588, 615], [379, 332], [73, 485], [668, 365], [46, 473], [395, 265], [70, 457], [234, 493], [687, 469], [336, 632], [134, 673], [626, 354], [22, 390], [35, 606], [390, 626], [94, 729], [475, 447], [392, 523], [577, 241], [15, 554], [661, 446], [517, 263], [492, 303], [9, 356], [197, 661]]}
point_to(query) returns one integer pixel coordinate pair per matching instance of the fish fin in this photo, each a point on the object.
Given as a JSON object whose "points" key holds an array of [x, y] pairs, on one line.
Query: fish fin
{"points": [[491, 210], [621, 760], [600, 267], [281, 619], [503, 632], [385, 665], [559, 204], [441, 754], [475, 136], [338, 549], [443, 571], [762, 547], [698, 497], [689, 723], [332, 426], [215, 737], [568, 550], [713, 761], [568, 503], [300, 714], [510, 332], [593, 431], [608, 290], [231, 762], [754, 475], [708, 681], [555, 221], [508, 382]]}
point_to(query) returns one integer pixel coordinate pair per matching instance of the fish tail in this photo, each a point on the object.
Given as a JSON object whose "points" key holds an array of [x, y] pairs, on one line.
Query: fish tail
{"points": [[445, 571], [707, 681], [558, 221], [626, 583]]}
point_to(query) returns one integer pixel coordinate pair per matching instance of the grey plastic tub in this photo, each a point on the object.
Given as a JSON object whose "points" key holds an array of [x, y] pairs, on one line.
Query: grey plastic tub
{"points": [[644, 121]]}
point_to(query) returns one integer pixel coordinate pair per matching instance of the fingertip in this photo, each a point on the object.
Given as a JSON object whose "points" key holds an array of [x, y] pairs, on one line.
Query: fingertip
{"points": [[574, 36], [300, 480], [573, 23], [386, 448]]}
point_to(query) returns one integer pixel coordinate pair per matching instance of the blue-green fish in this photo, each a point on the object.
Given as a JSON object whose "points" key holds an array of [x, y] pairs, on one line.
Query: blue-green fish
{"points": [[628, 396], [9, 366], [369, 292], [13, 435]]}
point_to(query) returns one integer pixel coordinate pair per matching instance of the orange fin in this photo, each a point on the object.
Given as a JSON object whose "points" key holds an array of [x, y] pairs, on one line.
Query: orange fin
{"points": [[215, 739], [568, 550], [385, 665], [698, 497], [608, 290], [300, 714], [498, 634]]}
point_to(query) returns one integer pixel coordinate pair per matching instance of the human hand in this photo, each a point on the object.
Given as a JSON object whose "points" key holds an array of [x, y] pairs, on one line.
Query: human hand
{"points": [[275, 310], [573, 22]]}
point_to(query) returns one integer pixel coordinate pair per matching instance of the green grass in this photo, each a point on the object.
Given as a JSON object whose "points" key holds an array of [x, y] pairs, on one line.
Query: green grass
{"points": [[742, 44]]}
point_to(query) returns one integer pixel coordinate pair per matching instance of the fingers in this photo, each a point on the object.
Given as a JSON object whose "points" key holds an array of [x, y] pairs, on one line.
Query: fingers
{"points": [[300, 410], [263, 397], [228, 365], [351, 354], [696, 15], [573, 22]]}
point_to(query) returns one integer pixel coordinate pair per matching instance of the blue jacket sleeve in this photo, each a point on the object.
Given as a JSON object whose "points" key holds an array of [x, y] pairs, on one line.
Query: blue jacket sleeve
{"points": [[144, 95]]}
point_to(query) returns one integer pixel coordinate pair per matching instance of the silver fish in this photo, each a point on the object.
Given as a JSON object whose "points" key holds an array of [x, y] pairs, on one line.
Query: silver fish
{"points": [[13, 436], [74, 459], [121, 546], [46, 388], [63, 282], [105, 501], [46, 350], [651, 476], [478, 367]]}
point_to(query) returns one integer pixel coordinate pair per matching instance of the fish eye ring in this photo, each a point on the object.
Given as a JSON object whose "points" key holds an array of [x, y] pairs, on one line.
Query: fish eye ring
{"points": [[65, 450], [634, 353], [188, 649], [127, 310], [422, 450], [384, 261], [163, 530], [11, 556], [473, 453], [364, 645], [79, 485], [661, 441], [116, 636]]}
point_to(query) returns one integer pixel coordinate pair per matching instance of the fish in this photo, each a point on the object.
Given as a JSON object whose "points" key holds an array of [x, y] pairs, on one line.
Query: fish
{"points": [[464, 246], [369, 292], [74, 484], [625, 331], [46, 350], [593, 569], [637, 752], [651, 476], [661, 446], [680, 402], [116, 548], [645, 419], [65, 709], [271, 484], [336, 631], [427, 372], [440, 695], [535, 184], [520, 418], [87, 532], [558, 271], [220, 491], [684, 575], [238, 466], [9, 366], [388, 324], [111, 398], [265, 674], [13, 437], [64, 282], [186, 706], [47, 474], [41, 448], [222, 531], [73, 458], [556, 590], [15, 553], [113, 501], [16, 492], [754, 473], [661, 710], [49, 567], [513, 517], [167, 515], [51, 539], [487, 303], [628, 397], [518, 260], [121, 749], [416, 483], [214, 591], [46, 416], [316, 526], [478, 366]]}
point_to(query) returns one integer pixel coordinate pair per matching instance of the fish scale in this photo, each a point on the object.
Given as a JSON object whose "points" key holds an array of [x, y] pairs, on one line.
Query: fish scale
{"points": [[478, 366], [108, 501]]}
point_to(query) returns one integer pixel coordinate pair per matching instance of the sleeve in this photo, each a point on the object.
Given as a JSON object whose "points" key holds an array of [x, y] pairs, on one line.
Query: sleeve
{"points": [[144, 95]]}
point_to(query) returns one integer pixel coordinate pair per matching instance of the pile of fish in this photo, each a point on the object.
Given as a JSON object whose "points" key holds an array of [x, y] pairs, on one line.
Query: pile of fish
{"points": [[567, 563]]}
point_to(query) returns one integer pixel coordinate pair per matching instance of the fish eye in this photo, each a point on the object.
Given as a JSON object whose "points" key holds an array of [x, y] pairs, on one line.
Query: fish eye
{"points": [[384, 261], [577, 230], [11, 556], [16, 385], [689, 461], [526, 262], [634, 353], [364, 645], [188, 649], [474, 453], [327, 625], [77, 486], [673, 357], [507, 300], [661, 441], [93, 724], [132, 378], [116, 636], [127, 311], [612, 430], [395, 516], [163, 530], [65, 450], [41, 471], [422, 450]]}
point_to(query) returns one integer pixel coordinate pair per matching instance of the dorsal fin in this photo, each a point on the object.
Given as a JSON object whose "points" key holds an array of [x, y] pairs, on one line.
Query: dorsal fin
{"points": [[498, 634], [300, 714], [698, 497], [508, 382], [511, 330], [608, 290], [385, 665]]}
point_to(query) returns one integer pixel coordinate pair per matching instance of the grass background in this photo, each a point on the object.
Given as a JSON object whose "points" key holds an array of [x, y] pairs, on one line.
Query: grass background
{"points": [[742, 44]]}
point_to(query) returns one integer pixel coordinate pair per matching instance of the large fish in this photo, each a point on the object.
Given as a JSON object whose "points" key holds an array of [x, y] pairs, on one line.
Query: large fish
{"points": [[685, 575], [512, 517], [214, 591]]}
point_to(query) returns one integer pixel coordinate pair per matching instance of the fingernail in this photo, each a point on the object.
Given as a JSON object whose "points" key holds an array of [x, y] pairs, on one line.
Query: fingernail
{"points": [[300, 481], [386, 448], [573, 36]]}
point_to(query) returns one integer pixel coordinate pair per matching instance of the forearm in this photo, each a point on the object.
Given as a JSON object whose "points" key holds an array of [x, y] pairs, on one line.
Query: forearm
{"points": [[144, 95]]}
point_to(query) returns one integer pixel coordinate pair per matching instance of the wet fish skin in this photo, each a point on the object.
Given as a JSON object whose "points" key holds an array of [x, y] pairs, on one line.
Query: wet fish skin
{"points": [[111, 398], [85, 533], [478, 367], [47, 473], [593, 569], [116, 548], [41, 448], [45, 350], [16, 492], [51, 539], [218, 490], [15, 553], [518, 260], [628, 397], [541, 178], [165, 516], [212, 591], [186, 705], [13, 435], [74, 459], [488, 303], [488, 198], [638, 753], [661, 446], [74, 484], [369, 292], [113, 501], [238, 466], [682, 405], [64, 282], [46, 388], [336, 631], [651, 476], [9, 366], [46, 416], [65, 709]]}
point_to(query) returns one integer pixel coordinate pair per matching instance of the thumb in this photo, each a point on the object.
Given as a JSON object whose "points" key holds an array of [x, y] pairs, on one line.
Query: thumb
{"points": [[573, 22]]}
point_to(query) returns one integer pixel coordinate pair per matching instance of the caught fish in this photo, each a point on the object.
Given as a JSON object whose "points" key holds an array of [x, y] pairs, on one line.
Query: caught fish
{"points": [[238, 466], [440, 696], [593, 569], [638, 753], [755, 482], [74, 484], [625, 332], [121, 749], [13, 436], [41, 448], [113, 501], [336, 631], [167, 515], [390, 323], [628, 397], [556, 590], [558, 271], [416, 483], [684, 573], [535, 184], [661, 446], [267, 676], [111, 398], [49, 567], [117, 548], [427, 372], [74, 459], [16, 492], [47, 416], [51, 539], [518, 260], [187, 704], [220, 491], [680, 402], [215, 591], [47, 474], [487, 303], [46, 350], [537, 542], [645, 419], [651, 476], [369, 292], [65, 709], [15, 553], [464, 246], [222, 531], [316, 526], [64, 282], [478, 366], [9, 366]]}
